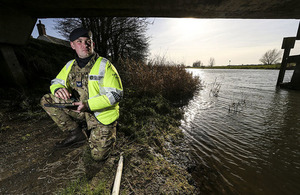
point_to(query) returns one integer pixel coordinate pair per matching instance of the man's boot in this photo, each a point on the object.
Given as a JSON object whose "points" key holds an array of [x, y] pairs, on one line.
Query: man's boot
{"points": [[75, 137]]}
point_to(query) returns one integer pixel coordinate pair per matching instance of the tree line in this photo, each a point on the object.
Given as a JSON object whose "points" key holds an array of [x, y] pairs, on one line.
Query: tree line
{"points": [[211, 63], [272, 56]]}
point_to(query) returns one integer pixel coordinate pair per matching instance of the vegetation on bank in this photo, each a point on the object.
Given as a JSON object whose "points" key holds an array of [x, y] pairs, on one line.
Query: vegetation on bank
{"points": [[148, 134]]}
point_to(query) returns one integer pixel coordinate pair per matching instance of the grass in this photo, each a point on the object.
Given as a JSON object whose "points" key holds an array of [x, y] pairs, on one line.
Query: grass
{"points": [[82, 186]]}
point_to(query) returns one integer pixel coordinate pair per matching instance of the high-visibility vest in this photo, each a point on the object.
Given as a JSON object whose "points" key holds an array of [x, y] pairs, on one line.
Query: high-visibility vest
{"points": [[104, 89]]}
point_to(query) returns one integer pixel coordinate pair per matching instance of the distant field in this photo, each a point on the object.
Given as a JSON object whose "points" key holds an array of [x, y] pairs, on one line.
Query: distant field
{"points": [[273, 66]]}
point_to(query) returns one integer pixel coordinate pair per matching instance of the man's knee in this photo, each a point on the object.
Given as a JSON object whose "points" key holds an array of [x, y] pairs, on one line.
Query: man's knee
{"points": [[101, 147], [43, 99], [101, 154], [47, 99], [102, 141]]}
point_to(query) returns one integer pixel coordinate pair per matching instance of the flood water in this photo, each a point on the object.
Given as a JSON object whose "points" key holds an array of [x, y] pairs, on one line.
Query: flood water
{"points": [[245, 138]]}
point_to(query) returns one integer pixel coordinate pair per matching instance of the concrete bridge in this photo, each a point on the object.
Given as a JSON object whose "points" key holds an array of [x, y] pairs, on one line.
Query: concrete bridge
{"points": [[18, 17]]}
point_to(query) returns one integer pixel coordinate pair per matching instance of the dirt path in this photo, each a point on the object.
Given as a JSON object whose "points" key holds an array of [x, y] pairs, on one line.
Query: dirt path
{"points": [[29, 162]]}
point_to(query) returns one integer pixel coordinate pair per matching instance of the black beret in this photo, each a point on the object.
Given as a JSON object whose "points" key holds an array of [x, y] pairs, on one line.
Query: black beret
{"points": [[80, 32]]}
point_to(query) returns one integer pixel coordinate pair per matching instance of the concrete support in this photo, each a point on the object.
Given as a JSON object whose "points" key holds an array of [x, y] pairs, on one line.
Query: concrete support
{"points": [[15, 29], [11, 69]]}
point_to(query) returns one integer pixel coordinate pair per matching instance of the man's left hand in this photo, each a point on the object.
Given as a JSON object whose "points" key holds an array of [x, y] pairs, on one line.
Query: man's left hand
{"points": [[82, 106]]}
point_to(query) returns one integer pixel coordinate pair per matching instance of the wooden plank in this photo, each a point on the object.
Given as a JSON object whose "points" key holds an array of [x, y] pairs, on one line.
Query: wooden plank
{"points": [[288, 42], [116, 188], [293, 59]]}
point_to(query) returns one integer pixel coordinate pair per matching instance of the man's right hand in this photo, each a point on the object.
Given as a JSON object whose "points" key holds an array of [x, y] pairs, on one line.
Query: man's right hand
{"points": [[63, 93]]}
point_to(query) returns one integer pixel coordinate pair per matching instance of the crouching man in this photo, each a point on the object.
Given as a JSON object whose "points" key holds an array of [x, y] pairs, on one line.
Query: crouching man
{"points": [[90, 84]]}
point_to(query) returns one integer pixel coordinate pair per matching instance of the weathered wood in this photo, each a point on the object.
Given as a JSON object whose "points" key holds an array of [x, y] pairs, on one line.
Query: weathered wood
{"points": [[298, 33], [117, 182], [293, 59], [287, 44], [295, 81]]}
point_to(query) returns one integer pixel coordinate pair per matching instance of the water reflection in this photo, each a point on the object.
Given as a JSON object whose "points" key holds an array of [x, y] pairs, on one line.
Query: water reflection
{"points": [[254, 150]]}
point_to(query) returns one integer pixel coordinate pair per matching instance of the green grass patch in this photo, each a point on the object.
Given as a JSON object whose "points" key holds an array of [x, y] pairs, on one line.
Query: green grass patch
{"points": [[82, 186]]}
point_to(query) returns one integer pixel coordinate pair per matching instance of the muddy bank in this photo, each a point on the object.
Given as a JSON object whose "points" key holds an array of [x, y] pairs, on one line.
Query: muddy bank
{"points": [[155, 158]]}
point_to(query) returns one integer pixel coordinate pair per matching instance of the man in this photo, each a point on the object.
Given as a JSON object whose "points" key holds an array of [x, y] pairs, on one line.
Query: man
{"points": [[92, 86]]}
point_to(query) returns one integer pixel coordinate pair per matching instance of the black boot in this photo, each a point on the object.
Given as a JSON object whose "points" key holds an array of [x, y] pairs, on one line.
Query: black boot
{"points": [[76, 137]]}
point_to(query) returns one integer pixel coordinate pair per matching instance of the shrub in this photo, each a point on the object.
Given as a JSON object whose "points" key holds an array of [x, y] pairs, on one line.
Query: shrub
{"points": [[172, 82]]}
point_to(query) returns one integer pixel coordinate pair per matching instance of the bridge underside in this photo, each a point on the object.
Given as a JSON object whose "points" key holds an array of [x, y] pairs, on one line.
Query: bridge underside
{"points": [[157, 8], [16, 12], [18, 17]]}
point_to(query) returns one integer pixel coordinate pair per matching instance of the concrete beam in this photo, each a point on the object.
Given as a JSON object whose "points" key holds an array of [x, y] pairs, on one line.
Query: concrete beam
{"points": [[263, 9], [15, 27]]}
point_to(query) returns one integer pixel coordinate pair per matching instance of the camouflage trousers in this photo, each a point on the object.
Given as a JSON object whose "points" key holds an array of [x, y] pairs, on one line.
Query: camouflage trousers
{"points": [[102, 137]]}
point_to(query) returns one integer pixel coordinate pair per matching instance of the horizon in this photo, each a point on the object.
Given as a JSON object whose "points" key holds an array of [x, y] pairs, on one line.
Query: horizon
{"points": [[229, 41]]}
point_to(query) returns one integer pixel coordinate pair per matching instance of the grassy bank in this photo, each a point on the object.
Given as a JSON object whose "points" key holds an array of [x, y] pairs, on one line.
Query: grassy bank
{"points": [[148, 134]]}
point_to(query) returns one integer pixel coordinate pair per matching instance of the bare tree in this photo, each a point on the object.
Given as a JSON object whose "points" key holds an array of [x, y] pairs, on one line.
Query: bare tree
{"points": [[66, 25], [114, 37], [271, 57], [197, 64], [211, 62]]}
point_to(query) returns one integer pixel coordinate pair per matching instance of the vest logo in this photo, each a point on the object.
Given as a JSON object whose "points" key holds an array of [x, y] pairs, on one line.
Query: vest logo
{"points": [[95, 77], [78, 83]]}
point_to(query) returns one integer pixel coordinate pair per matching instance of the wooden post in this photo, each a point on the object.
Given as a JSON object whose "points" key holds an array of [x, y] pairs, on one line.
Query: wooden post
{"points": [[287, 44], [117, 182], [295, 81]]}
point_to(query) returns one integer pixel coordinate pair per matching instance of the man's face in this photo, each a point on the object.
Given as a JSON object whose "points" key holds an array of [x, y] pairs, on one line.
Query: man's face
{"points": [[83, 46]]}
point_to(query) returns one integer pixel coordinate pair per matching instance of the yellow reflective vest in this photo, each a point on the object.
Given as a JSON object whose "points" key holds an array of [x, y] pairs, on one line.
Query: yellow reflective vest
{"points": [[104, 89]]}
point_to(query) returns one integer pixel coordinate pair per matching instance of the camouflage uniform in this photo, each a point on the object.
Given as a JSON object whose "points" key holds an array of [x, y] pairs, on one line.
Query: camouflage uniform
{"points": [[102, 137]]}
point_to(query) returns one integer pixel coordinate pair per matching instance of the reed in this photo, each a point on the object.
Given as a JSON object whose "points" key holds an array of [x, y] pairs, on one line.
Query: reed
{"points": [[172, 82]]}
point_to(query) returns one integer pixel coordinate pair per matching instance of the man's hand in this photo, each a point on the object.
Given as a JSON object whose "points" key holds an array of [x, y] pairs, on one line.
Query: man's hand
{"points": [[82, 106], [63, 93]]}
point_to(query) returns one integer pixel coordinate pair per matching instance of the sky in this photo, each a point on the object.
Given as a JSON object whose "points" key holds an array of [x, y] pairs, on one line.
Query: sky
{"points": [[228, 41]]}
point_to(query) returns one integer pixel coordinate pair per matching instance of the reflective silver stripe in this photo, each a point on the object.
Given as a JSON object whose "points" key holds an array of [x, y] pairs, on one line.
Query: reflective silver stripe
{"points": [[69, 63], [102, 74], [102, 67], [97, 114], [114, 95], [94, 96], [58, 81]]}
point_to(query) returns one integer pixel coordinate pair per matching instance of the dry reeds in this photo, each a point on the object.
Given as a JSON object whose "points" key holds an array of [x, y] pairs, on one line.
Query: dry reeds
{"points": [[173, 82]]}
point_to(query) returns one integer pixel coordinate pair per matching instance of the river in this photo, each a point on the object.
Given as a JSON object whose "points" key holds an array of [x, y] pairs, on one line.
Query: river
{"points": [[244, 133]]}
